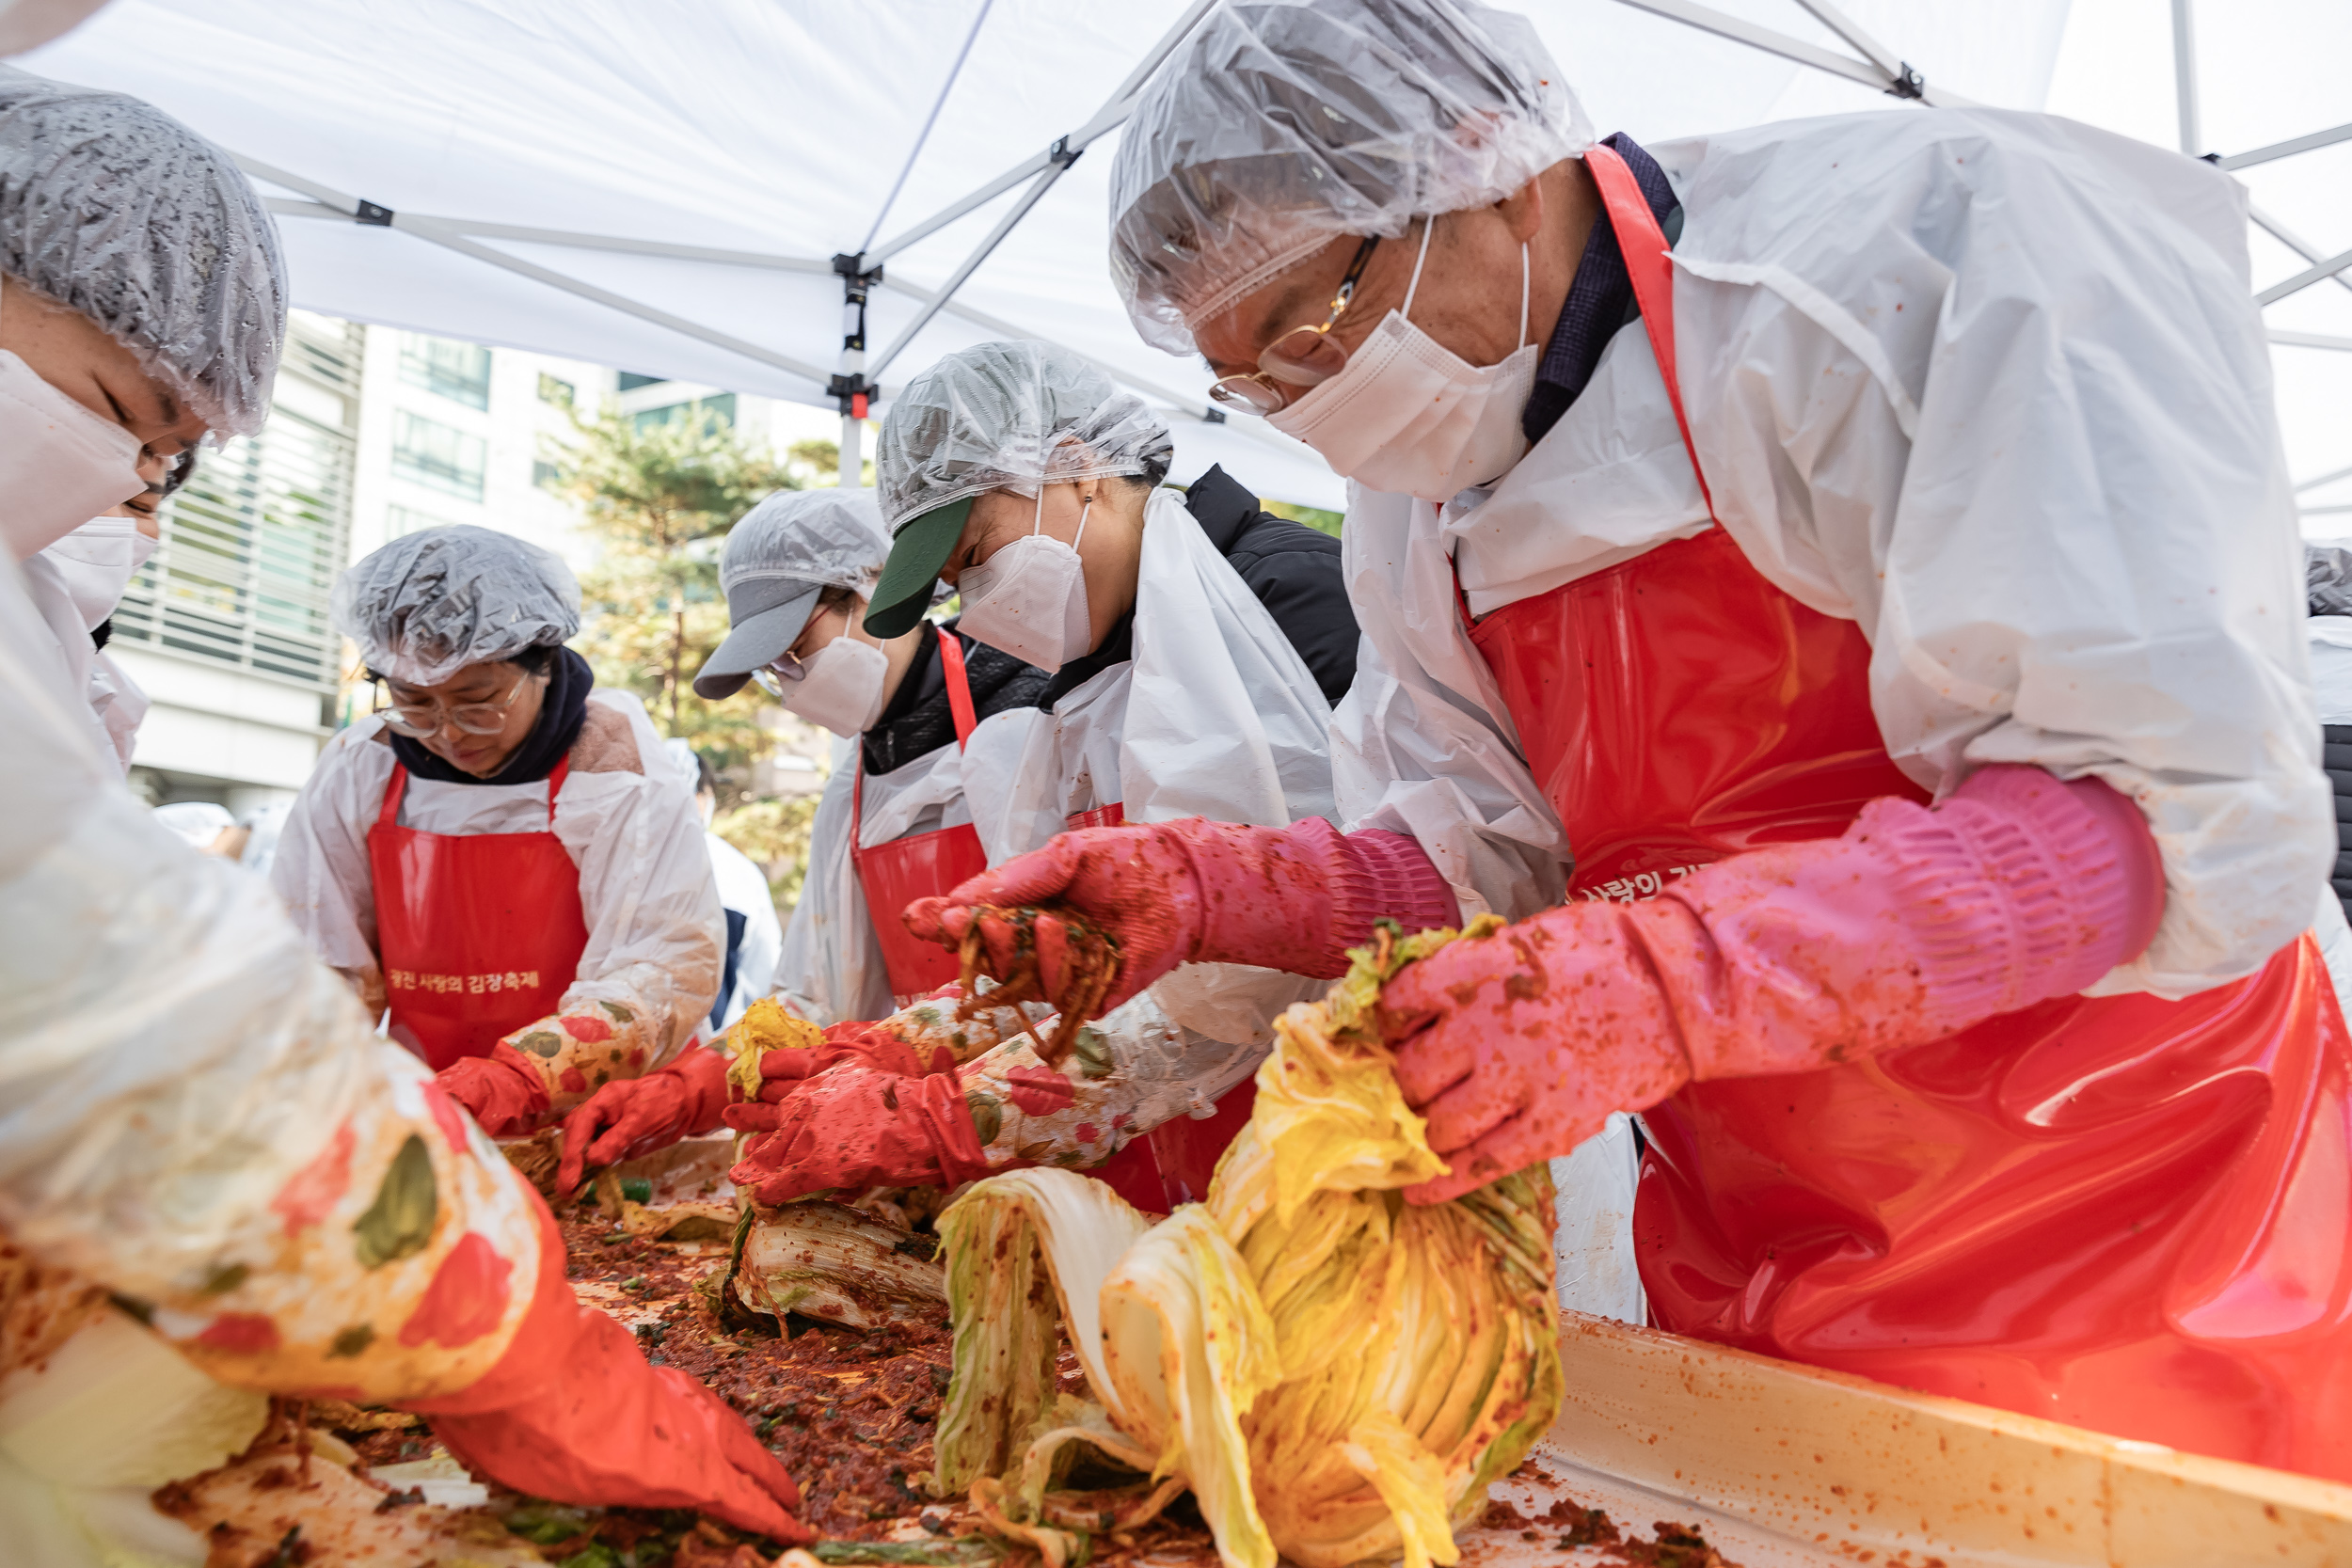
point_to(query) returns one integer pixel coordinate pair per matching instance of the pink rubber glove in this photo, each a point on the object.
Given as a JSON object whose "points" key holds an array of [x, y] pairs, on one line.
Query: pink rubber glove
{"points": [[1295, 899], [858, 1127], [504, 1092], [572, 1413], [1916, 924], [633, 1116]]}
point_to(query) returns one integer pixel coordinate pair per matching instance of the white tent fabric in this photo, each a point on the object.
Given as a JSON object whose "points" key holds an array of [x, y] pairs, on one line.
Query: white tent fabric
{"points": [[768, 134]]}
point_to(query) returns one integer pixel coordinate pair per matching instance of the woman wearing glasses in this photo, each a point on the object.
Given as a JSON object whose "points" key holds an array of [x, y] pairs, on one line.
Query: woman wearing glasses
{"points": [[501, 857]]}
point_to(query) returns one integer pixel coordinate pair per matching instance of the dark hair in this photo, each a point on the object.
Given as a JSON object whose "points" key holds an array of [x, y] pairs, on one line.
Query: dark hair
{"points": [[705, 776], [833, 596]]}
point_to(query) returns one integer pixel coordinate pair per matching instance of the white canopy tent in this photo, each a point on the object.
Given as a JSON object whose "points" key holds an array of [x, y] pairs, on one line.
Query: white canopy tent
{"points": [[689, 191]]}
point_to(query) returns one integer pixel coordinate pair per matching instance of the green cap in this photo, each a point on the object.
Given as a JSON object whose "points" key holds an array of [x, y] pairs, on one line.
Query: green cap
{"points": [[918, 551]]}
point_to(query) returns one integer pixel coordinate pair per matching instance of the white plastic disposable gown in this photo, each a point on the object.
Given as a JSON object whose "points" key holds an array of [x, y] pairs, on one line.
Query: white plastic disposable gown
{"points": [[831, 968], [1989, 385], [115, 704], [176, 1073], [1216, 716], [657, 940], [743, 890]]}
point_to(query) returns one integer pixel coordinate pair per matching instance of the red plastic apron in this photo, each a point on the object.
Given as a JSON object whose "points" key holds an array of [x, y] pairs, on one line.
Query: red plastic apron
{"points": [[1183, 1153], [923, 865], [920, 865], [478, 933], [2121, 1213]]}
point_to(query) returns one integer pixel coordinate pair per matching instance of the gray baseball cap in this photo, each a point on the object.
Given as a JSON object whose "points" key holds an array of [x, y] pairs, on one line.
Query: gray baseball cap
{"points": [[766, 616], [779, 557]]}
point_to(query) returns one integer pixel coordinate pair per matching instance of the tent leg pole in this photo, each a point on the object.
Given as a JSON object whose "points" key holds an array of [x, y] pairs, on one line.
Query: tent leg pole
{"points": [[852, 471], [2184, 76]]}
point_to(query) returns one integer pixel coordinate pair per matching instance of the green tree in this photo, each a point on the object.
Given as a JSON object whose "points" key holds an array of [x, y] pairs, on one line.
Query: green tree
{"points": [[658, 497], [773, 835], [1313, 517]]}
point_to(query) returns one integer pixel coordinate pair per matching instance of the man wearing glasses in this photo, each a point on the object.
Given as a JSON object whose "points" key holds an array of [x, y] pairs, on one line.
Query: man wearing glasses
{"points": [[1834, 588], [498, 858]]}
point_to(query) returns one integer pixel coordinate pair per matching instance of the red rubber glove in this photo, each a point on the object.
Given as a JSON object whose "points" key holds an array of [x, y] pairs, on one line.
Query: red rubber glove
{"points": [[859, 1044], [638, 1115], [858, 1127], [1914, 924], [572, 1413], [1295, 899], [502, 1091]]}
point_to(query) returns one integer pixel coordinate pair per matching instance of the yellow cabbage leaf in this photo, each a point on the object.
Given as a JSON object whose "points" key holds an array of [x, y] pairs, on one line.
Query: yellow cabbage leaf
{"points": [[1335, 1373]]}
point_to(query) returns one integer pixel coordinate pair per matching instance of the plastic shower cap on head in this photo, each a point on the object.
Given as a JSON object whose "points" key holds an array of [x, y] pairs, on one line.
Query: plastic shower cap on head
{"points": [[112, 207], [430, 603], [1010, 416], [1280, 124], [833, 538], [2327, 580]]}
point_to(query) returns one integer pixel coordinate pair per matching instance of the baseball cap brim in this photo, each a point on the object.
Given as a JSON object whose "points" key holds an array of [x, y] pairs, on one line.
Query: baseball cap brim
{"points": [[754, 642], [916, 553]]}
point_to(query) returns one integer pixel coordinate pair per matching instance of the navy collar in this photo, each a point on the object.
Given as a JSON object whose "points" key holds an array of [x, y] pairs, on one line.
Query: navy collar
{"points": [[1601, 300]]}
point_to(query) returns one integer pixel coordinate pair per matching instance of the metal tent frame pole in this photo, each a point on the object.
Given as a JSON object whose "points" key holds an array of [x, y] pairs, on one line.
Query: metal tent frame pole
{"points": [[856, 384], [2185, 76]]}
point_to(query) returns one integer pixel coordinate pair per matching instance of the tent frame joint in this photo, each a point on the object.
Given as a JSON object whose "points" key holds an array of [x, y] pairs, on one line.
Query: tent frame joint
{"points": [[1061, 154], [852, 392], [1906, 82], [373, 215]]}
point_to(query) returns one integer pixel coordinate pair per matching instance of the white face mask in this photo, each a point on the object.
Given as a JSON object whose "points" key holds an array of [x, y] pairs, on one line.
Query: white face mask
{"points": [[60, 465], [841, 686], [1410, 417], [96, 562], [1029, 598]]}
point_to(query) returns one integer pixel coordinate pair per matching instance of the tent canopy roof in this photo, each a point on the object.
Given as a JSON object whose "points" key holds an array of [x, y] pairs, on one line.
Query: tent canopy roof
{"points": [[717, 157]]}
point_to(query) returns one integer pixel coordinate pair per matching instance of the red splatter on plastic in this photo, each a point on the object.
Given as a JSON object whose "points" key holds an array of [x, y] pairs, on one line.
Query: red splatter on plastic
{"points": [[447, 1117], [573, 1081], [311, 1194], [240, 1334], [1085, 1132], [585, 1029], [466, 1300], [1040, 1090]]}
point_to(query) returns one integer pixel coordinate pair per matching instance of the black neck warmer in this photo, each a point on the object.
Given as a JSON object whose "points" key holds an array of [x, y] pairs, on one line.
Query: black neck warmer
{"points": [[562, 711]]}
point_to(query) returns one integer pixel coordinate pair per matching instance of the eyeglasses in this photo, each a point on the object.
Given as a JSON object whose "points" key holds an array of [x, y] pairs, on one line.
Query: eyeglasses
{"points": [[1301, 359], [421, 721], [785, 669]]}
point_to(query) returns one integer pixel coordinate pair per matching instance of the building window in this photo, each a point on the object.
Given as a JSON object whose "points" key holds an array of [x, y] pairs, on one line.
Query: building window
{"points": [[446, 368], [630, 381], [714, 414], [399, 520], [544, 473], [253, 544], [555, 389], [436, 454]]}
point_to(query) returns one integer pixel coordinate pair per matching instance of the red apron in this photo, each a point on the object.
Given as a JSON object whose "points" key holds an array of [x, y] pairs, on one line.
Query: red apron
{"points": [[2121, 1213], [923, 865], [1183, 1153], [920, 865], [478, 933]]}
